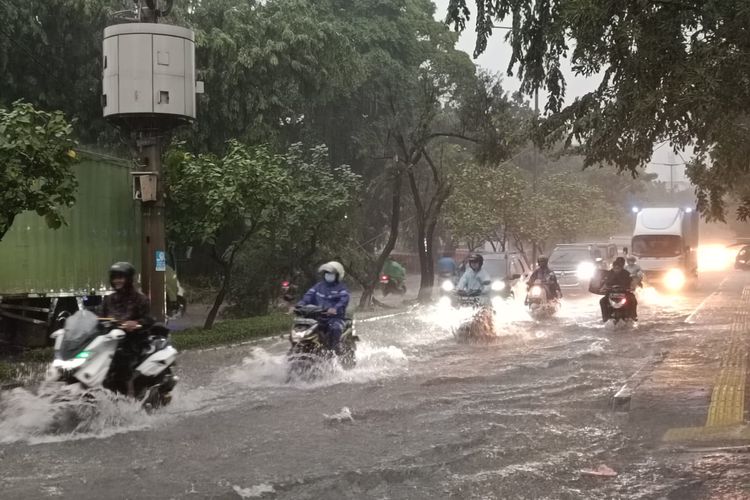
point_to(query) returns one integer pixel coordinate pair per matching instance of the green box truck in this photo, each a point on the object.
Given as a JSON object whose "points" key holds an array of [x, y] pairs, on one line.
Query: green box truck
{"points": [[46, 274]]}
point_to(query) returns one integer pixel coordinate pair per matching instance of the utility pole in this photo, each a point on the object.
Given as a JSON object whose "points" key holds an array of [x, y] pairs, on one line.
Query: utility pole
{"points": [[148, 89]]}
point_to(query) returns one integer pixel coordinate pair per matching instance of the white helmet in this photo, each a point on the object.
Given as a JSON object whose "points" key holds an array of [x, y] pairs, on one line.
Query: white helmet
{"points": [[333, 267]]}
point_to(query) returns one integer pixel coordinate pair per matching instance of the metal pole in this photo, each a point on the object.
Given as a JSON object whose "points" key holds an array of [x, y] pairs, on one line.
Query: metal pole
{"points": [[153, 246]]}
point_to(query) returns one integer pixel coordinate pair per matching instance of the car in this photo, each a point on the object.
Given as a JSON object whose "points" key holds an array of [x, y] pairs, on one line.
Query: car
{"points": [[743, 259], [509, 268], [575, 264]]}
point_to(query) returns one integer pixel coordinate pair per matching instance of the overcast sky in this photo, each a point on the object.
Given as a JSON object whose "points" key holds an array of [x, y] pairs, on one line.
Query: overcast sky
{"points": [[497, 57]]}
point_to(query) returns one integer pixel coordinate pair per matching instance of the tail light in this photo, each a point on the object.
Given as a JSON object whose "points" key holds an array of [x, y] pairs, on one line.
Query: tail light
{"points": [[384, 279], [285, 284]]}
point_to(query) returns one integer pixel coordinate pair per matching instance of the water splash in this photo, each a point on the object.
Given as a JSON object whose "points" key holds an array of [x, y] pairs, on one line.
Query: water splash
{"points": [[263, 369]]}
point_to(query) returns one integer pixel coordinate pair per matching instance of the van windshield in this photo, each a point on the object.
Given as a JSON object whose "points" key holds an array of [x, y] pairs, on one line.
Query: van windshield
{"points": [[569, 257], [657, 245]]}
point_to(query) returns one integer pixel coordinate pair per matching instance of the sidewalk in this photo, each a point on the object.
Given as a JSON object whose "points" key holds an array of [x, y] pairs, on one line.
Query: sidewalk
{"points": [[696, 393]]}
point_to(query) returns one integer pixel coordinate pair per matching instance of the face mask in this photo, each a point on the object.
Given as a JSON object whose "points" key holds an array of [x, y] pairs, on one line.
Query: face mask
{"points": [[329, 277]]}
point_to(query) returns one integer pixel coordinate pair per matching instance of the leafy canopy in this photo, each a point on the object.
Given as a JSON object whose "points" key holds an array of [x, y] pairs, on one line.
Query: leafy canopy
{"points": [[36, 154], [672, 71]]}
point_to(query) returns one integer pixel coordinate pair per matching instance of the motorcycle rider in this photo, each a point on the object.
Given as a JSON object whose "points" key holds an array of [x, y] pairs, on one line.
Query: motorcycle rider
{"points": [[332, 295], [474, 277], [636, 273], [544, 274], [447, 266], [132, 310], [620, 278], [395, 272]]}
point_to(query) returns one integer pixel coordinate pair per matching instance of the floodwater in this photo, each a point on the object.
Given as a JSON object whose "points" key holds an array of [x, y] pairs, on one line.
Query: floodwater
{"points": [[421, 416]]}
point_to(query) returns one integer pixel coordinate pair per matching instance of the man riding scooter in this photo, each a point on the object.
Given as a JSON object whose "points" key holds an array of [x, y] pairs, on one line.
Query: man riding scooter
{"points": [[618, 277], [132, 310], [331, 294], [393, 278]]}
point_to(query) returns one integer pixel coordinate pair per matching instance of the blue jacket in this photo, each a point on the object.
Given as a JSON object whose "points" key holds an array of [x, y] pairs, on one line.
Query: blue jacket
{"points": [[328, 295]]}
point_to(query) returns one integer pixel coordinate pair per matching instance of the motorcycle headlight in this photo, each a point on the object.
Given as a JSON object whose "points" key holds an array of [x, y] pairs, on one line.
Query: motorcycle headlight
{"points": [[498, 286], [585, 270], [674, 279], [536, 291], [447, 286]]}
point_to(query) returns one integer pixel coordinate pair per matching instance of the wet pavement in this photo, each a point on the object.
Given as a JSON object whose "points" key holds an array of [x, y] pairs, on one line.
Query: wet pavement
{"points": [[422, 416]]}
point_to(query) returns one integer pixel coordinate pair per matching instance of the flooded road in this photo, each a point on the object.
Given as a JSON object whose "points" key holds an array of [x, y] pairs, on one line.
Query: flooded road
{"points": [[421, 416]]}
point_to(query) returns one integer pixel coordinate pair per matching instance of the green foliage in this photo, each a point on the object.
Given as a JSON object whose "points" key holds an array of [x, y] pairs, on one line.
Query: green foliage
{"points": [[285, 204], [672, 71], [261, 61], [564, 209], [232, 331], [50, 56], [223, 201], [36, 153], [485, 203]]}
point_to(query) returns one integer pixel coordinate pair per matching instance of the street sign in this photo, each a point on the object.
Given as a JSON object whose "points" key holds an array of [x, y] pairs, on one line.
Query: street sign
{"points": [[161, 260]]}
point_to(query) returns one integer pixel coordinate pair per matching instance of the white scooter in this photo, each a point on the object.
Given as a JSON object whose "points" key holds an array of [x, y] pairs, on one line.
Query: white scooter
{"points": [[86, 346]]}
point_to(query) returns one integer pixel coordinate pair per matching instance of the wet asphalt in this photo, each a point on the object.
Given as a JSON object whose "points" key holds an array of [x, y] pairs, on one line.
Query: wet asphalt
{"points": [[421, 416]]}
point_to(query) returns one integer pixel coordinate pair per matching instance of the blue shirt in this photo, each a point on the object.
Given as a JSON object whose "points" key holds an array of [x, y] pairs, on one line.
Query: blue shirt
{"points": [[446, 265], [328, 296]]}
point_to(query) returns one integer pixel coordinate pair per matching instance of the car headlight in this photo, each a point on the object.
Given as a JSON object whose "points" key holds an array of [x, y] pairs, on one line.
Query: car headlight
{"points": [[674, 279], [447, 286], [498, 286], [585, 270]]}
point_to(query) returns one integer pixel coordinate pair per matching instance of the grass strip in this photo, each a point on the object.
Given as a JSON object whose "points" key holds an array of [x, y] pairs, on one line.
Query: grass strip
{"points": [[231, 331]]}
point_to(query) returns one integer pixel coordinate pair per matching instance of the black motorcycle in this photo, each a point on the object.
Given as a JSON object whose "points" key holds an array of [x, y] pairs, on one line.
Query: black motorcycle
{"points": [[620, 307], [308, 341]]}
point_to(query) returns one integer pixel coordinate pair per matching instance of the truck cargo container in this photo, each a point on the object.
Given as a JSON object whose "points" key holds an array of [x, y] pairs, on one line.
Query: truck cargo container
{"points": [[46, 274]]}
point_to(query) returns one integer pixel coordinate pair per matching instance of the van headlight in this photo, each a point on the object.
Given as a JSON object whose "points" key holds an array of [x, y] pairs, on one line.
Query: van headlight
{"points": [[447, 286], [585, 271], [674, 279], [498, 286]]}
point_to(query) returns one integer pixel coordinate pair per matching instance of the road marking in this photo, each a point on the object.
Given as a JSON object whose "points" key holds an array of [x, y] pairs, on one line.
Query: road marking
{"points": [[726, 412]]}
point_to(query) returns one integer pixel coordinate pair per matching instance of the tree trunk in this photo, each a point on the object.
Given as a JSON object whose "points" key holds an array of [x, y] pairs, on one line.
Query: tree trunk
{"points": [[219, 300], [374, 276]]}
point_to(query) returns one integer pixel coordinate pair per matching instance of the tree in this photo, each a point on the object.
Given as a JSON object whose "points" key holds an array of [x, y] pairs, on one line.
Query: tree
{"points": [[672, 71], [485, 204], [36, 154], [224, 202], [564, 210], [50, 56], [284, 201]]}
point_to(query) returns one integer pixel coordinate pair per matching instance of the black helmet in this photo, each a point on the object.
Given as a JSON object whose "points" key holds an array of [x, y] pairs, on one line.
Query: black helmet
{"points": [[619, 261], [124, 269], [476, 258], [542, 260]]}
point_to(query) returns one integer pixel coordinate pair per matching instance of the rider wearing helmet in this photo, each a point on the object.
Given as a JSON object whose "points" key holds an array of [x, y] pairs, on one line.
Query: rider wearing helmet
{"points": [[132, 310], [474, 277], [620, 278], [126, 305], [636, 273], [331, 294], [544, 274]]}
